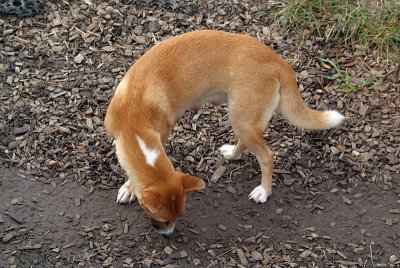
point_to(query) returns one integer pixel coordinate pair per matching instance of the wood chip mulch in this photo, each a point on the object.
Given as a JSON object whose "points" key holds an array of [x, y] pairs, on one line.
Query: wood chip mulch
{"points": [[336, 200]]}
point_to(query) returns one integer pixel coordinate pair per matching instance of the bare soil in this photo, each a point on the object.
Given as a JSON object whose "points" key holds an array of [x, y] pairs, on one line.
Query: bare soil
{"points": [[336, 194]]}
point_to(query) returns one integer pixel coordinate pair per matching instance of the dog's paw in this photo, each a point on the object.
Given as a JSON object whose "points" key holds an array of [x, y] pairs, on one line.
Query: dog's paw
{"points": [[259, 194], [227, 152], [124, 195]]}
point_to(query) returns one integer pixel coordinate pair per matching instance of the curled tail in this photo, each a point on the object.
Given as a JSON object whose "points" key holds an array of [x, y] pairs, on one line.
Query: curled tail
{"points": [[293, 108]]}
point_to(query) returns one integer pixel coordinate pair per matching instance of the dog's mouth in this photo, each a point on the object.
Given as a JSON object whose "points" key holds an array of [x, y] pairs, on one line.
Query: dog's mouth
{"points": [[167, 232], [164, 231]]}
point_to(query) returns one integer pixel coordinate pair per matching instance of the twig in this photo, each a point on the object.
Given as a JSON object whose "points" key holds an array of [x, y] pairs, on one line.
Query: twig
{"points": [[9, 160], [225, 252], [325, 254], [370, 252], [231, 172]]}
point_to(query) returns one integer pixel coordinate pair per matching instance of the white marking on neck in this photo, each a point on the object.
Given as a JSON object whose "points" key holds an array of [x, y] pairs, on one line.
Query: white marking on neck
{"points": [[149, 154]]}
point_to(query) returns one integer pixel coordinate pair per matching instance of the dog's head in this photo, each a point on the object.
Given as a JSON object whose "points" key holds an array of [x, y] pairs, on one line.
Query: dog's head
{"points": [[164, 203]]}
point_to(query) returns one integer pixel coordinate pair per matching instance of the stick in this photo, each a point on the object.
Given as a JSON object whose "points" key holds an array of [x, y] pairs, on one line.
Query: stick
{"points": [[370, 252]]}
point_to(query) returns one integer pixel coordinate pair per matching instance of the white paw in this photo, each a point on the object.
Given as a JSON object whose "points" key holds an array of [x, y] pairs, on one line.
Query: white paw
{"points": [[124, 196], [259, 194], [227, 152]]}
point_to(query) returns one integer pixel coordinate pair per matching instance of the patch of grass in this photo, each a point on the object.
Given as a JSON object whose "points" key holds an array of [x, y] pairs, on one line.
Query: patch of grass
{"points": [[373, 24], [345, 79]]}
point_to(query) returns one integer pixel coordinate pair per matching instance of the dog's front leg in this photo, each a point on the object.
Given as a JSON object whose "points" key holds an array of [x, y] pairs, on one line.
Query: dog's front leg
{"points": [[126, 194]]}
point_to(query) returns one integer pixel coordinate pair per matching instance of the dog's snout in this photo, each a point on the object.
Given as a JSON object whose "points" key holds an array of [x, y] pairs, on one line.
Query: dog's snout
{"points": [[166, 230], [166, 235]]}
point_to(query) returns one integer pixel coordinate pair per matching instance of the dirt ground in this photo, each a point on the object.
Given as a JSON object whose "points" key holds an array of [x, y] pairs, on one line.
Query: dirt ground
{"points": [[336, 194]]}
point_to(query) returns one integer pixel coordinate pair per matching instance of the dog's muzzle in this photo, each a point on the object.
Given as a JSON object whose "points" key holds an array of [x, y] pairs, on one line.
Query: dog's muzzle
{"points": [[166, 232]]}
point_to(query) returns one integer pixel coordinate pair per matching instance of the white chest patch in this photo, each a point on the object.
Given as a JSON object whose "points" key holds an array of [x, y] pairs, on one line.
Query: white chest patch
{"points": [[149, 154]]}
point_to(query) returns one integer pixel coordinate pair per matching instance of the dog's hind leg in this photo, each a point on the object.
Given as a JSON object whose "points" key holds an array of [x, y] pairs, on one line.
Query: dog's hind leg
{"points": [[249, 123], [251, 136]]}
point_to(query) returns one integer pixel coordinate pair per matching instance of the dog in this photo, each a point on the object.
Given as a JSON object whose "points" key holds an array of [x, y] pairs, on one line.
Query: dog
{"points": [[179, 73]]}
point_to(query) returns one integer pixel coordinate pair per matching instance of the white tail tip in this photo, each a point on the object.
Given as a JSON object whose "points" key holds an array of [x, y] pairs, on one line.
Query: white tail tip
{"points": [[333, 118]]}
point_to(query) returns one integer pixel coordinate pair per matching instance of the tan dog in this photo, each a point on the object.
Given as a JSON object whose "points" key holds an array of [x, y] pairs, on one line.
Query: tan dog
{"points": [[184, 71]]}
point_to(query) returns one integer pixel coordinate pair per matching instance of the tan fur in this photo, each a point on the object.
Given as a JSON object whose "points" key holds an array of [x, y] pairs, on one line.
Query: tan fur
{"points": [[183, 71]]}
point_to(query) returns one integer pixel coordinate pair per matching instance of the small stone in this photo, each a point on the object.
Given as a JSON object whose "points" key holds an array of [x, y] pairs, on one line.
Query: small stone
{"points": [[218, 173], [140, 39], [222, 227], [231, 189], [362, 211], [147, 262], [183, 254], [393, 259], [311, 229], [242, 257], [196, 261], [17, 201], [250, 240], [334, 150], [394, 211], [108, 48], [11, 260], [53, 163], [128, 260], [256, 256], [8, 32], [56, 21], [168, 250], [355, 153], [138, 30], [305, 254], [77, 202], [78, 58], [363, 110], [279, 211], [10, 80], [358, 195], [89, 111], [154, 26], [375, 133], [212, 253], [8, 237], [288, 182], [21, 130], [3, 68], [346, 200]]}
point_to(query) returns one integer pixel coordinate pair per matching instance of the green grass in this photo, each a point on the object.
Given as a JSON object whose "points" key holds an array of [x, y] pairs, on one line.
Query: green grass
{"points": [[346, 81], [367, 23]]}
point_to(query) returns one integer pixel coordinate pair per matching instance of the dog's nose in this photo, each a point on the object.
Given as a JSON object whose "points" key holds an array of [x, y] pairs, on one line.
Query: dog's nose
{"points": [[167, 232], [166, 235]]}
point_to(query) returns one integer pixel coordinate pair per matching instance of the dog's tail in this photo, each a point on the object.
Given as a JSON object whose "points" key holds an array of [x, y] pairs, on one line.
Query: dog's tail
{"points": [[293, 108]]}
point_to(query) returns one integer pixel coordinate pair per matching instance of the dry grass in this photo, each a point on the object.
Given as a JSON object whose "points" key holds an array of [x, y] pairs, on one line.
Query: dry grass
{"points": [[371, 24]]}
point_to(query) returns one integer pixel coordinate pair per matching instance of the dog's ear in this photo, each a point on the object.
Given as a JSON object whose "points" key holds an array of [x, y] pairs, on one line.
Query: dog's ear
{"points": [[151, 201], [191, 183]]}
